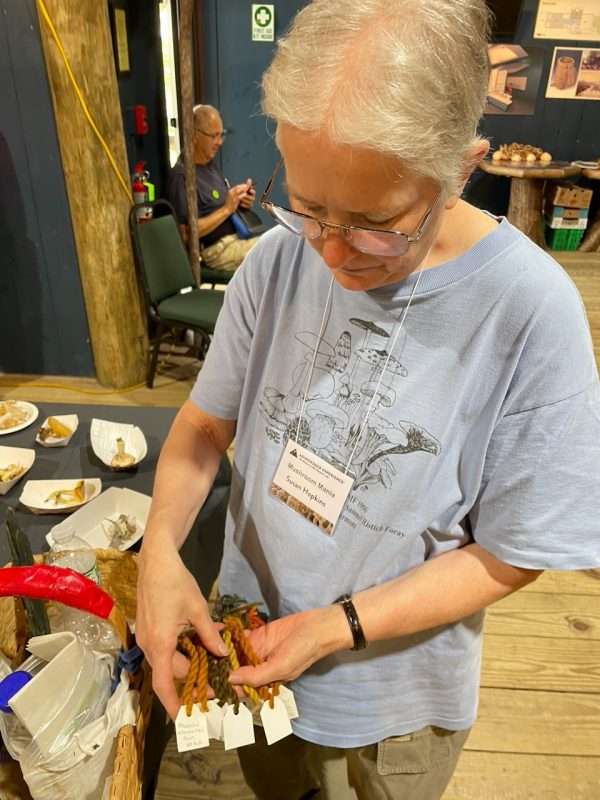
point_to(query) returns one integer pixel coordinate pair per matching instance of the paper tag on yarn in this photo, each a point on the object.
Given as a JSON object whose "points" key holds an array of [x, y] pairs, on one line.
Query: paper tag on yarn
{"points": [[275, 721], [238, 729], [214, 720], [289, 701], [191, 732]]}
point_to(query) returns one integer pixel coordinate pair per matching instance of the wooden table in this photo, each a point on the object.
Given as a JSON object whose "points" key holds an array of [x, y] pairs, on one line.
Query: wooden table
{"points": [[527, 191], [201, 552], [591, 243]]}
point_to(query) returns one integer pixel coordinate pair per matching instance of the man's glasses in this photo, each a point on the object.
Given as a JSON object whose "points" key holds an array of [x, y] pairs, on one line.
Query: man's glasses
{"points": [[214, 136], [371, 241]]}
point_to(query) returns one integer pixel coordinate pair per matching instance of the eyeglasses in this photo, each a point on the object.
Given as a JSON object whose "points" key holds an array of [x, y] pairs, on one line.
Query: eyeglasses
{"points": [[214, 136], [371, 241]]}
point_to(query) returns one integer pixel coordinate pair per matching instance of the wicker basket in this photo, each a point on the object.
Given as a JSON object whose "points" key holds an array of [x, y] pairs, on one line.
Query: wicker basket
{"points": [[118, 576]]}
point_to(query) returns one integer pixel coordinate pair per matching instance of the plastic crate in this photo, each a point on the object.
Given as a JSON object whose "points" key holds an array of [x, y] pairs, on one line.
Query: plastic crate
{"points": [[563, 238]]}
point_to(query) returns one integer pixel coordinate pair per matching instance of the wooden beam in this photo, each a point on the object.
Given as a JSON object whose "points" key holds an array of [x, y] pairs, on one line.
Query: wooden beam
{"points": [[187, 129], [98, 202]]}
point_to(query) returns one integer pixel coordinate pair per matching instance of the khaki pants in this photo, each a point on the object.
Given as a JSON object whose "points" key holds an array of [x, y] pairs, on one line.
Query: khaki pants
{"points": [[228, 253], [417, 766]]}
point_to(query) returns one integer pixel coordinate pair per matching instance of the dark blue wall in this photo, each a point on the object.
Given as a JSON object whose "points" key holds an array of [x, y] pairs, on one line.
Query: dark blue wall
{"points": [[233, 65], [569, 129], [42, 319], [143, 85]]}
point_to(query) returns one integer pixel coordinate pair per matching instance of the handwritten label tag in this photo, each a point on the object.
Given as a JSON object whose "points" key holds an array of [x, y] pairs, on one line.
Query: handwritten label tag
{"points": [[238, 729], [289, 701], [275, 721], [214, 720], [191, 732]]}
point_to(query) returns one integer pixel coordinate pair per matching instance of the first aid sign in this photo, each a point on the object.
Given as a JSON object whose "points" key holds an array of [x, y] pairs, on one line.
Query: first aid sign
{"points": [[263, 22]]}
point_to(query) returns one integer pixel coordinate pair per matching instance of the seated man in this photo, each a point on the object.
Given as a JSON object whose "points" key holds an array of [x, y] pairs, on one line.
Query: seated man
{"points": [[220, 246]]}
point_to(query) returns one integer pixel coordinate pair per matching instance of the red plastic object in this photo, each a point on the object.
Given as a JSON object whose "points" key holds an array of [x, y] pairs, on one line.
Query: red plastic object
{"points": [[44, 582], [140, 120]]}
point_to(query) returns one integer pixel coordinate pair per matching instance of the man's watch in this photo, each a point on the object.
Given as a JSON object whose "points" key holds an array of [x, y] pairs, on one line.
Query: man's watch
{"points": [[358, 636]]}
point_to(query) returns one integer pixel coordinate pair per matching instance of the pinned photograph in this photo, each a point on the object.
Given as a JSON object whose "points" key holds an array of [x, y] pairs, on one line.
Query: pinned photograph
{"points": [[574, 74], [588, 83], [514, 80]]}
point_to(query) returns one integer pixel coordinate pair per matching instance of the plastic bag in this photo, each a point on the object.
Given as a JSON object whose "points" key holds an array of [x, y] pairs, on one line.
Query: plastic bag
{"points": [[83, 768]]}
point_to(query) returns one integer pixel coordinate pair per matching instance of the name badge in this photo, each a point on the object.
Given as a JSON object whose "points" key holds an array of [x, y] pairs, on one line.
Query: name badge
{"points": [[311, 486]]}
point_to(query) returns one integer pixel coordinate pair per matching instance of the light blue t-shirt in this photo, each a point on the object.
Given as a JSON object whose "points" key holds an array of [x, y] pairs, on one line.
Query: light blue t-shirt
{"points": [[485, 427]]}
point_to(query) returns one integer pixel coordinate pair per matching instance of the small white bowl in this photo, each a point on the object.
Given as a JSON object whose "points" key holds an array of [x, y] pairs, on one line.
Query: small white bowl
{"points": [[90, 522], [104, 435], [35, 493], [15, 455], [70, 420]]}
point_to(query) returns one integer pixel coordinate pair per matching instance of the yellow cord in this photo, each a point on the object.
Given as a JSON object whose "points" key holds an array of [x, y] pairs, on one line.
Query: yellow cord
{"points": [[124, 390], [55, 36]]}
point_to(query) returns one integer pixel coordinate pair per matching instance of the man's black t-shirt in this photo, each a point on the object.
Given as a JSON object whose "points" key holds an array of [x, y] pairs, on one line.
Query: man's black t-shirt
{"points": [[212, 191]]}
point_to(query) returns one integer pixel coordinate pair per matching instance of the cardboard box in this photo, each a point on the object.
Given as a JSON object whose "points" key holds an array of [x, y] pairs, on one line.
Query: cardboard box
{"points": [[569, 195], [567, 224], [559, 212]]}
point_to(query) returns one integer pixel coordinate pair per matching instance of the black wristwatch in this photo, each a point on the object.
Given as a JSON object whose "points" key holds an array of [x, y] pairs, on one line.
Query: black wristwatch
{"points": [[358, 635]]}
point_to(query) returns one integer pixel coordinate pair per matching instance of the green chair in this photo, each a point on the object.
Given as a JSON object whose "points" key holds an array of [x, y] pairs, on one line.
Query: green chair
{"points": [[216, 277], [173, 304]]}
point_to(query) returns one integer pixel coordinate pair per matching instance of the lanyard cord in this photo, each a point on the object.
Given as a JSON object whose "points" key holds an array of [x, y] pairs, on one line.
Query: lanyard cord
{"points": [[389, 355], [393, 345], [314, 360]]}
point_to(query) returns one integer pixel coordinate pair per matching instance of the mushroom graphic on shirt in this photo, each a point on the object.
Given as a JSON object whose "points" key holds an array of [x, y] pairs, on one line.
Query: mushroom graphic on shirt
{"points": [[369, 328], [282, 408]]}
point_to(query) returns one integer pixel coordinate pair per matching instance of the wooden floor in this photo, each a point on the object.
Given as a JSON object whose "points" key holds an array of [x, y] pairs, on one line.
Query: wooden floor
{"points": [[175, 377], [538, 732]]}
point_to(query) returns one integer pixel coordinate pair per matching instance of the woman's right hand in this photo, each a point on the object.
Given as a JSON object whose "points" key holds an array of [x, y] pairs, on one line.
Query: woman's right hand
{"points": [[169, 599]]}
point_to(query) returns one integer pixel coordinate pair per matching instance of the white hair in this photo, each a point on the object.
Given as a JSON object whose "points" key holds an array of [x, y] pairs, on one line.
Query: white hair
{"points": [[407, 78]]}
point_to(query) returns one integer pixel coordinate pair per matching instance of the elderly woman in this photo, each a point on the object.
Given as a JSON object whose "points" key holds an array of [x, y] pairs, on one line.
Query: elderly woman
{"points": [[415, 402]]}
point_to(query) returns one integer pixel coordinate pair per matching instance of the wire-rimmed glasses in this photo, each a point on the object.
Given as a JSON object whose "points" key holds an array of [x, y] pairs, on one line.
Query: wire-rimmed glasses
{"points": [[214, 136], [371, 241]]}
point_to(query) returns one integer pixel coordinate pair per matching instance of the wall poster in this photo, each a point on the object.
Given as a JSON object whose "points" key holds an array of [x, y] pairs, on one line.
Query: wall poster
{"points": [[515, 74], [574, 74], [568, 19]]}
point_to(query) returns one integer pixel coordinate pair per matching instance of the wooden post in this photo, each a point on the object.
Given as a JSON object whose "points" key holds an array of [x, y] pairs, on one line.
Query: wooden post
{"points": [[98, 202], [591, 243], [187, 106], [525, 207]]}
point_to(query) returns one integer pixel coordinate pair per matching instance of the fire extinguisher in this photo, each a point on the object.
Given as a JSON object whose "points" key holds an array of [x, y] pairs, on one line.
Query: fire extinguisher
{"points": [[139, 188]]}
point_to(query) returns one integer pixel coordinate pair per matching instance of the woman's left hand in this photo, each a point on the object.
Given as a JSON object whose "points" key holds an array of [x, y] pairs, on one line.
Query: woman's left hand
{"points": [[290, 645]]}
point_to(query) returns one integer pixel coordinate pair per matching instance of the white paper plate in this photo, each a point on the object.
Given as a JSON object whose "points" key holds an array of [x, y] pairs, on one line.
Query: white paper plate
{"points": [[104, 435], [35, 493], [70, 420], [32, 414], [15, 455], [88, 521]]}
